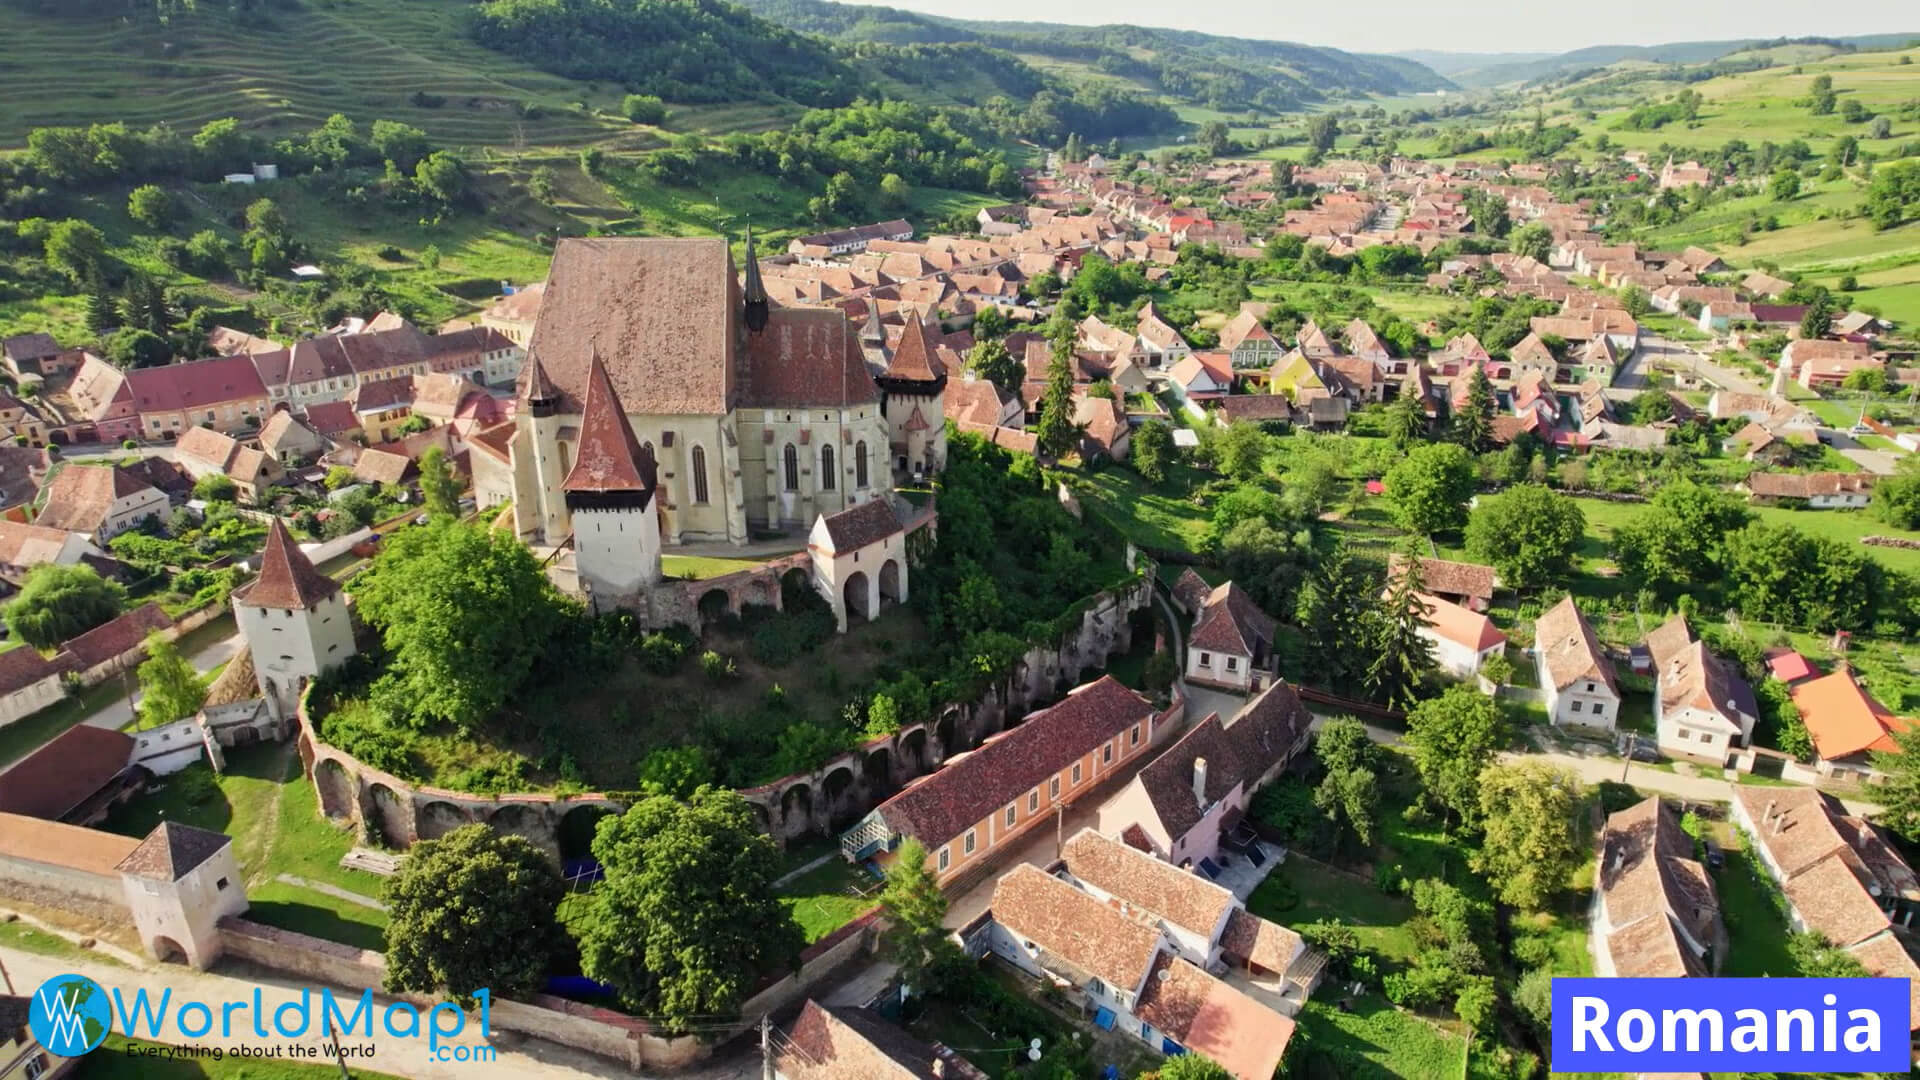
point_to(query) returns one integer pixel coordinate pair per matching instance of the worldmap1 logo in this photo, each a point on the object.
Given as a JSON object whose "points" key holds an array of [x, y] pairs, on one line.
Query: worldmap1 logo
{"points": [[70, 1015]]}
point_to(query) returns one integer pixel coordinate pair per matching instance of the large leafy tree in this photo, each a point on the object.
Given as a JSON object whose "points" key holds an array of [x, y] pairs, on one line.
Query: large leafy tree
{"points": [[1240, 452], [472, 910], [686, 921], [1267, 561], [1453, 738], [1428, 490], [1781, 574], [1349, 790], [1896, 498], [1406, 421], [990, 360], [170, 688], [1402, 655], [1152, 451], [464, 613], [1680, 539], [1900, 796], [1530, 813], [1189, 1066], [1529, 534], [916, 935], [60, 602]]}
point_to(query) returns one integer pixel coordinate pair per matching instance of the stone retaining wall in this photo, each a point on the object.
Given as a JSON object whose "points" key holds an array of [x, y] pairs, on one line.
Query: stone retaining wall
{"points": [[823, 801]]}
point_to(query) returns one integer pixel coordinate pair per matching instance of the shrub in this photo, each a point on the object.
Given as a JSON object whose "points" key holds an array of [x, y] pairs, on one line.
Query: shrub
{"points": [[130, 444], [662, 651], [718, 668]]}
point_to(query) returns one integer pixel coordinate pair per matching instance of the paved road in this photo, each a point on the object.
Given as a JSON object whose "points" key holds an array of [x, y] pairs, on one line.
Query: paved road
{"points": [[1666, 353], [518, 1057], [117, 713]]}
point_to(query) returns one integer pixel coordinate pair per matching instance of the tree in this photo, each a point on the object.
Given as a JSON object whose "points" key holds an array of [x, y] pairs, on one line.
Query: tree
{"points": [[675, 771], [1900, 795], [1406, 421], [1636, 300], [1402, 654], [402, 144], [644, 109], [439, 487], [1529, 813], [1322, 130], [338, 476], [1530, 534], [991, 361], [215, 487], [150, 205], [1055, 434], [990, 324], [1816, 322], [442, 176], [1428, 490], [1349, 790], [436, 596], [1189, 1066], [1867, 380], [1452, 739], [1785, 185], [1679, 540], [78, 250], [1152, 451], [1473, 422], [1240, 452], [1881, 128], [1814, 957], [1894, 194], [60, 602], [133, 347], [916, 936], [473, 910], [1535, 241], [169, 686], [686, 921], [894, 191], [540, 184], [1896, 498], [102, 313], [1338, 601]]}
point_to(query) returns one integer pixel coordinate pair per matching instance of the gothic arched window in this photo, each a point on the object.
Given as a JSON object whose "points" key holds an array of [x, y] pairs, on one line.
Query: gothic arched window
{"points": [[699, 474], [860, 464], [793, 468], [826, 468]]}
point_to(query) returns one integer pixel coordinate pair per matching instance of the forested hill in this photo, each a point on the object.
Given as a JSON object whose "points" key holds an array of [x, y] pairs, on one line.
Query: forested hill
{"points": [[1227, 73]]}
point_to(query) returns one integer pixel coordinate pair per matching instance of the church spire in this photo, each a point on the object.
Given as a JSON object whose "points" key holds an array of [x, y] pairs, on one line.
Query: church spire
{"points": [[611, 465], [756, 290], [541, 395]]}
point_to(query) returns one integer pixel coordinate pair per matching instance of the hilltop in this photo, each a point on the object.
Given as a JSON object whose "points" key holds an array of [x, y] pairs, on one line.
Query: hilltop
{"points": [[1485, 70]]}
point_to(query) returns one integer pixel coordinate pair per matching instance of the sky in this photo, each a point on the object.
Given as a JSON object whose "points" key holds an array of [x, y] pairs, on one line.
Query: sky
{"points": [[1475, 26]]}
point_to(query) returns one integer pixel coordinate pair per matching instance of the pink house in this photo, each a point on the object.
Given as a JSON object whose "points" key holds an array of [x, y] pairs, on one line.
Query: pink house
{"points": [[1176, 807]]}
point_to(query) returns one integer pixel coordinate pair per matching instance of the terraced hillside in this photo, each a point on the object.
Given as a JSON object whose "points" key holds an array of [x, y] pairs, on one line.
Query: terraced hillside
{"points": [[290, 69]]}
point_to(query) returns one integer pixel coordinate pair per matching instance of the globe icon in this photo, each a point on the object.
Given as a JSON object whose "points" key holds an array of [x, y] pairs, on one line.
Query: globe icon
{"points": [[70, 1015]]}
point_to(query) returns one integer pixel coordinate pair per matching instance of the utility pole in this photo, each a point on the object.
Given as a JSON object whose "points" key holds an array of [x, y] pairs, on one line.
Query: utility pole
{"points": [[4, 976], [766, 1048]]}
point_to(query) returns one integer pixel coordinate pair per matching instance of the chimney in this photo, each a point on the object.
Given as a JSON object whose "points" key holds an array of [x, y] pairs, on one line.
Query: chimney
{"points": [[1767, 814], [1200, 780], [1779, 822]]}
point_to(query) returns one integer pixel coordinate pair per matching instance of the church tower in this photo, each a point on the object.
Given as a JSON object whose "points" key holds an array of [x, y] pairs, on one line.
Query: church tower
{"points": [[294, 621], [540, 424], [914, 388], [610, 499]]}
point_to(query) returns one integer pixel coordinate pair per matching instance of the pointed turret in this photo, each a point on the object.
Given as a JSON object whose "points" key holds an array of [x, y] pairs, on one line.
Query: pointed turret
{"points": [[287, 579], [542, 397], [612, 468], [914, 360], [755, 293]]}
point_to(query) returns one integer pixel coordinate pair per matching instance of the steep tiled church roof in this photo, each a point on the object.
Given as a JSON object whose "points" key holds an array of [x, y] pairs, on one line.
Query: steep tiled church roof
{"points": [[287, 578], [915, 359], [610, 457]]}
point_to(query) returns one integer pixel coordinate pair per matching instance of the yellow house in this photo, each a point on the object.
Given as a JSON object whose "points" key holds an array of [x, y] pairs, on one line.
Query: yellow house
{"points": [[1293, 374]]}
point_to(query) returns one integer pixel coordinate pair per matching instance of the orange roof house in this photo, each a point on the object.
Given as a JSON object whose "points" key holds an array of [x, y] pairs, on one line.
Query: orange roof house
{"points": [[1844, 721]]}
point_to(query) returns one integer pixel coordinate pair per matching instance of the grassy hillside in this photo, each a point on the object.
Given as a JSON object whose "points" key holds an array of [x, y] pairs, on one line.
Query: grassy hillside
{"points": [[289, 70], [1497, 69]]}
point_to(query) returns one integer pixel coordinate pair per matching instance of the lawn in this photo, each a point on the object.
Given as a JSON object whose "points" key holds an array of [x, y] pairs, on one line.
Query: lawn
{"points": [[700, 568], [1846, 526], [1303, 891], [1375, 1039], [265, 803], [1756, 931], [31, 939], [121, 1058], [1149, 516], [825, 899]]}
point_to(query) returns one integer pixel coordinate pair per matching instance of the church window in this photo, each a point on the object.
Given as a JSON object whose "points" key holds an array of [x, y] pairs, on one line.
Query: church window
{"points": [[792, 462], [700, 474], [826, 468], [860, 464]]}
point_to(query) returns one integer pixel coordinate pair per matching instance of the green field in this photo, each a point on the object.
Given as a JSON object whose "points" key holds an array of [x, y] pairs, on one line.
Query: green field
{"points": [[118, 1059], [828, 897], [1847, 526]]}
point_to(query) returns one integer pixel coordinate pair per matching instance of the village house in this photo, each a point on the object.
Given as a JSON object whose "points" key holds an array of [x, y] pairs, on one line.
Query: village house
{"points": [[1574, 670], [1160, 344], [33, 354], [1104, 431], [29, 682], [205, 452], [226, 341], [1179, 806], [1687, 174], [1247, 340], [290, 441], [1839, 875], [513, 314], [224, 393], [1818, 491], [1462, 639], [24, 546], [1821, 364], [1468, 584], [1847, 726], [1655, 913], [101, 501], [979, 804], [973, 400], [1231, 643], [1201, 377], [1120, 960], [101, 394], [841, 1043], [1702, 709]]}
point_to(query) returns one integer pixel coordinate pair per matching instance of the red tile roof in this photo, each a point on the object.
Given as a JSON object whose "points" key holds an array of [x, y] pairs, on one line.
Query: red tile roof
{"points": [[610, 456], [332, 418], [1843, 719], [172, 851], [971, 786], [23, 666], [914, 358], [1208, 1017], [1074, 927], [1230, 622], [65, 772], [1267, 731], [806, 357], [111, 639], [287, 578], [1182, 898], [860, 525], [1572, 650], [826, 1043], [81, 496], [195, 385]]}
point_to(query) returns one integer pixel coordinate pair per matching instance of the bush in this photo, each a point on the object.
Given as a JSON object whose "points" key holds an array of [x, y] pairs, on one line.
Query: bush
{"points": [[644, 109], [130, 444], [718, 668], [662, 651]]}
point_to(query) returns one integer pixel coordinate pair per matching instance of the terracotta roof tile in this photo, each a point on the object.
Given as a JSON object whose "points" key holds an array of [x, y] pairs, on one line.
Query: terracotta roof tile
{"points": [[23, 666], [1230, 622], [110, 639], [1211, 1018], [610, 457], [287, 578], [971, 786], [806, 357], [860, 525], [1253, 939], [1843, 718], [1885, 957], [65, 772], [1573, 652], [172, 851], [23, 545], [375, 466], [826, 1043], [1461, 625], [93, 851], [1181, 898], [1266, 731], [1074, 926], [1449, 578], [81, 496], [332, 418], [1807, 485], [195, 385], [914, 358]]}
